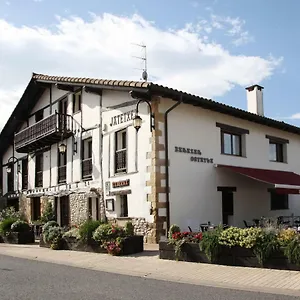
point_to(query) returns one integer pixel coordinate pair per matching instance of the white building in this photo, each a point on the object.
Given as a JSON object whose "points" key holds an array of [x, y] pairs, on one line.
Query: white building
{"points": [[225, 165]]}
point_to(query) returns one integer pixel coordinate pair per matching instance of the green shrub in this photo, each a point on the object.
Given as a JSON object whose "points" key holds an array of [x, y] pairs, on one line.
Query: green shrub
{"points": [[210, 244], [266, 243], [51, 233], [292, 250], [5, 225], [72, 233], [108, 232], [20, 226], [9, 213], [87, 229], [129, 228], [48, 213], [50, 224], [173, 229]]}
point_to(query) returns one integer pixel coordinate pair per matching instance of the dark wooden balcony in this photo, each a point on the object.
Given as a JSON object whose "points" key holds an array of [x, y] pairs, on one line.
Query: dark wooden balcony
{"points": [[44, 133], [87, 168], [120, 161], [62, 174]]}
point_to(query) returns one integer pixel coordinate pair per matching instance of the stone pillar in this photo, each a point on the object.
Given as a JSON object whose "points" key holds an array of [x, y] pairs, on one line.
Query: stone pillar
{"points": [[78, 208], [25, 207]]}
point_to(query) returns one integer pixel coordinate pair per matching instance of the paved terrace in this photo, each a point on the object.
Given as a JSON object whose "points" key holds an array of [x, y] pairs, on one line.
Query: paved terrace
{"points": [[147, 264]]}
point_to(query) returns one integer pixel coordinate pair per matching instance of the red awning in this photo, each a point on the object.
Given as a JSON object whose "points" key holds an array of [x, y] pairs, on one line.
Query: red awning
{"points": [[281, 180]]}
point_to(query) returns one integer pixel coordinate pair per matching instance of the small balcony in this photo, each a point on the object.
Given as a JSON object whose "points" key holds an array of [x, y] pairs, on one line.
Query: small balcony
{"points": [[44, 133]]}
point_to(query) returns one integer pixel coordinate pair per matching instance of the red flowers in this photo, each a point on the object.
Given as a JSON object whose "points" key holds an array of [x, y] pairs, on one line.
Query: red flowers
{"points": [[188, 236]]}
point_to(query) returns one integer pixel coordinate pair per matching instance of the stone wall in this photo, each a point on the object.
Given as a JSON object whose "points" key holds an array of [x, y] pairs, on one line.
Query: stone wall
{"points": [[141, 227], [78, 208], [25, 207]]}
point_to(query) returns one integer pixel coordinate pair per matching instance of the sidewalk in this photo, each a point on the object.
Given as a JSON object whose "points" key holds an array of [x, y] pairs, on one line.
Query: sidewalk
{"points": [[147, 264]]}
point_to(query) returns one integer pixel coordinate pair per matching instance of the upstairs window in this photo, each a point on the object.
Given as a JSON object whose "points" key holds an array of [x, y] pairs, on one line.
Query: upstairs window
{"points": [[87, 157], [39, 115], [62, 167], [232, 140], [277, 149], [121, 151], [231, 143], [25, 174], [39, 159], [76, 102]]}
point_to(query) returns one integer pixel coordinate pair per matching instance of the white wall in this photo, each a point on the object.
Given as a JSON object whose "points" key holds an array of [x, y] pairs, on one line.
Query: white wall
{"points": [[136, 159], [194, 198]]}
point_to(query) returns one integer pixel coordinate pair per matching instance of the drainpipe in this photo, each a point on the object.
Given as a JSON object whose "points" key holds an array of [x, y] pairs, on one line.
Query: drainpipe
{"points": [[167, 159]]}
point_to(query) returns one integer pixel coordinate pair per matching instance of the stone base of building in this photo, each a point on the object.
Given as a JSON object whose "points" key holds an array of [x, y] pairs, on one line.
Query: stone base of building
{"points": [[141, 227], [71, 208]]}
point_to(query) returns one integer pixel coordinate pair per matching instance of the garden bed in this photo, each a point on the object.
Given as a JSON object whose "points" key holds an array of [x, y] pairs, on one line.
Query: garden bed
{"points": [[235, 256], [131, 245], [26, 237]]}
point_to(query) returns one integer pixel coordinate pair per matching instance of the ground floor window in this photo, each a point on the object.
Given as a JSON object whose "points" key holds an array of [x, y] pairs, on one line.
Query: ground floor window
{"points": [[124, 206], [64, 211], [279, 201]]}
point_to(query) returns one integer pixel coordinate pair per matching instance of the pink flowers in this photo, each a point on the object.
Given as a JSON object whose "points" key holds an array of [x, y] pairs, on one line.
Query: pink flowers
{"points": [[113, 248]]}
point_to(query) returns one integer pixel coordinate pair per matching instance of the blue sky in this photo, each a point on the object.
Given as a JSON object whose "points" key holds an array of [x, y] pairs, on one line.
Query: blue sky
{"points": [[213, 48]]}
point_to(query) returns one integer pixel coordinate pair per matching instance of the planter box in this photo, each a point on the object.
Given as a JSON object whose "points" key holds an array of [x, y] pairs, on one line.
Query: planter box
{"points": [[131, 245], [20, 237], [235, 256], [71, 243]]}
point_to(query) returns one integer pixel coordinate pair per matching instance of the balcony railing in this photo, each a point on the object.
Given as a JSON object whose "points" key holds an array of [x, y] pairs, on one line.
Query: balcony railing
{"points": [[39, 179], [87, 168], [62, 174], [46, 132], [120, 161]]}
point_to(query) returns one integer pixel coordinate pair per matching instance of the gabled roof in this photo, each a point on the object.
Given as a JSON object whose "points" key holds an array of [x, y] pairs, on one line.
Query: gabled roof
{"points": [[36, 87]]}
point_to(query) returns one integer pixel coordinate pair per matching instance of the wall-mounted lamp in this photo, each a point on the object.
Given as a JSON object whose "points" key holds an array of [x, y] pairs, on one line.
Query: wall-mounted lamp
{"points": [[137, 120], [62, 148], [75, 147], [12, 160]]}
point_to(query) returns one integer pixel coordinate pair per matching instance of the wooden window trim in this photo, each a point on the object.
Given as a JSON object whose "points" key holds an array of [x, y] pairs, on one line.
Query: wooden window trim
{"points": [[232, 129], [226, 189], [277, 140]]}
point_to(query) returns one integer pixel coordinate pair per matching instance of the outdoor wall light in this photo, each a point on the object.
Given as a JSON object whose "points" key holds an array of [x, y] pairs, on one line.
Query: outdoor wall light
{"points": [[75, 147], [62, 148], [14, 160], [137, 120]]}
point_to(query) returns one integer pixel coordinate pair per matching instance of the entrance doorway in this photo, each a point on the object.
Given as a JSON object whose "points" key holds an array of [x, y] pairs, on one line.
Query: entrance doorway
{"points": [[227, 207], [64, 211], [35, 208]]}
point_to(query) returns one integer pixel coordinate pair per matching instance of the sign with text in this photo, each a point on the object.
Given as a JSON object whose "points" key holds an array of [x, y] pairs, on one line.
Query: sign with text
{"points": [[194, 152], [121, 183], [122, 118]]}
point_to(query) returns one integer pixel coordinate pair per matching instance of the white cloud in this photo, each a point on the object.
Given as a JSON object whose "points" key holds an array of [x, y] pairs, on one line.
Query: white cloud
{"points": [[293, 117], [184, 59]]}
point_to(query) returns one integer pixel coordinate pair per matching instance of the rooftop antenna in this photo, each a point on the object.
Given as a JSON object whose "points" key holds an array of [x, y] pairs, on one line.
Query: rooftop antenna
{"points": [[144, 58]]}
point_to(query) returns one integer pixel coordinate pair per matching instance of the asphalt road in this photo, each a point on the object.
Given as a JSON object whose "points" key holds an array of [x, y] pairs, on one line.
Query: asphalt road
{"points": [[30, 280]]}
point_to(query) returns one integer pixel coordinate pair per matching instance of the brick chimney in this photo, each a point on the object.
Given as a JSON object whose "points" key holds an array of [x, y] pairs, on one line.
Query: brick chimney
{"points": [[255, 99]]}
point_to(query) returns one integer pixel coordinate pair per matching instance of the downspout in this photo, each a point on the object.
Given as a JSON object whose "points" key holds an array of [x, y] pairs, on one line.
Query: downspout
{"points": [[101, 198], [50, 159], [167, 159]]}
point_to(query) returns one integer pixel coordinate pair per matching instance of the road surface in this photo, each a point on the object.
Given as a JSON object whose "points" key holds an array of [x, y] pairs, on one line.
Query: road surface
{"points": [[32, 280]]}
